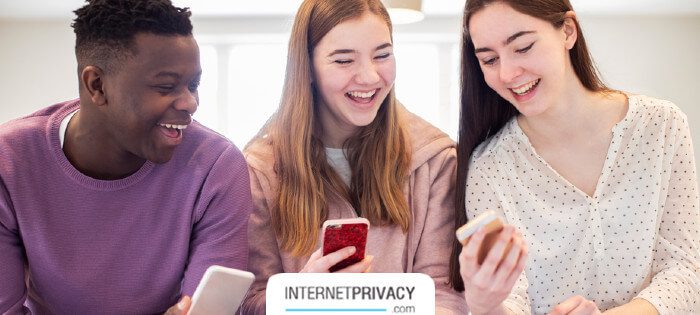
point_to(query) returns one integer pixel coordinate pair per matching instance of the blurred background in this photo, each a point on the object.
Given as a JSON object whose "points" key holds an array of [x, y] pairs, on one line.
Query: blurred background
{"points": [[641, 46]]}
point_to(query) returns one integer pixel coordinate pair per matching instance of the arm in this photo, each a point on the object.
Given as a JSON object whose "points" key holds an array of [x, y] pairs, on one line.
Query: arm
{"points": [[578, 304], [265, 260], [436, 237], [13, 291], [219, 237], [636, 306], [481, 196], [675, 286]]}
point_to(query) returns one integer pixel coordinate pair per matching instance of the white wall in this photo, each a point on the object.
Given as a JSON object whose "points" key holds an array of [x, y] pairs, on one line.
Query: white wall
{"points": [[656, 56], [38, 66], [650, 55]]}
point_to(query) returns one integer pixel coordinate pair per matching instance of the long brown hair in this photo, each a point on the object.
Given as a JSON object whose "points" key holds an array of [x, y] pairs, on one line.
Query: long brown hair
{"points": [[483, 112], [378, 153]]}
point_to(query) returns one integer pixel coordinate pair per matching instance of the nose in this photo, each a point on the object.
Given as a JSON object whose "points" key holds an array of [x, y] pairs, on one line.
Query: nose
{"points": [[367, 73], [188, 102], [509, 70]]}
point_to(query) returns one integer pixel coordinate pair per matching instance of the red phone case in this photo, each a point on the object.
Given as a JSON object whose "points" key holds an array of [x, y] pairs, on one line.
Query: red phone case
{"points": [[338, 236]]}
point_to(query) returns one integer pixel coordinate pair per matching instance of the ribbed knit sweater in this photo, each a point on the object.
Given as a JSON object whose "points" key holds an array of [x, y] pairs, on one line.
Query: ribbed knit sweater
{"points": [[127, 246]]}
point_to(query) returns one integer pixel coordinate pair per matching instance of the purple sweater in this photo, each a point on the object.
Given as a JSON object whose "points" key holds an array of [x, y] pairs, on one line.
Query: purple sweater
{"points": [[128, 246]]}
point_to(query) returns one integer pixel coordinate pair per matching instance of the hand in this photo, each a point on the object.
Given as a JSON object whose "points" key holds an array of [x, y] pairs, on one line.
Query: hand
{"points": [[487, 285], [319, 263], [181, 308], [576, 305]]}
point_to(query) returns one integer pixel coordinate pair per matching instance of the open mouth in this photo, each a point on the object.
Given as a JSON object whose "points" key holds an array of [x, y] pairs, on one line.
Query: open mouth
{"points": [[172, 130], [526, 88], [362, 97]]}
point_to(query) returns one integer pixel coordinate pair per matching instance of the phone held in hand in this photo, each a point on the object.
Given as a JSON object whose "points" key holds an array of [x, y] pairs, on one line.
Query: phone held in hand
{"points": [[341, 233], [221, 291], [492, 225]]}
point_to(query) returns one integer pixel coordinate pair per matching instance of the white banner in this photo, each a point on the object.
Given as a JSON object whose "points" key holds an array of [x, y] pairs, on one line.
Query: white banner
{"points": [[350, 293]]}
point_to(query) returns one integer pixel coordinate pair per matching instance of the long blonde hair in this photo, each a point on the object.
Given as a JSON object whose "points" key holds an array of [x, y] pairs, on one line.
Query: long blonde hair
{"points": [[378, 153]]}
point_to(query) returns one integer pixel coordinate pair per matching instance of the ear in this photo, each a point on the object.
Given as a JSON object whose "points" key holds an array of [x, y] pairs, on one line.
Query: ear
{"points": [[570, 29], [91, 79]]}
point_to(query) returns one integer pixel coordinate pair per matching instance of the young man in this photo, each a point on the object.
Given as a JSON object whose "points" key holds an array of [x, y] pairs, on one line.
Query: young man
{"points": [[118, 202]]}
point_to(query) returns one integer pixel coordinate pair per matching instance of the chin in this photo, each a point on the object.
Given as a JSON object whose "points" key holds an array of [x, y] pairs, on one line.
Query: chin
{"points": [[364, 120], [362, 123]]}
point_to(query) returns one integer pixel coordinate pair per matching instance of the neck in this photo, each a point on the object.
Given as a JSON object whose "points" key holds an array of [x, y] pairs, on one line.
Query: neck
{"points": [[557, 119], [577, 110], [334, 134], [589, 115], [89, 149]]}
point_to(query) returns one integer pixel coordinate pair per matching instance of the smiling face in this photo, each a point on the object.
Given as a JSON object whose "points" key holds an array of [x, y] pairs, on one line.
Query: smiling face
{"points": [[151, 97], [354, 71], [524, 59]]}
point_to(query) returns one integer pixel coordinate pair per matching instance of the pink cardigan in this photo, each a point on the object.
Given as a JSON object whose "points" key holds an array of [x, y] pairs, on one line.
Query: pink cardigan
{"points": [[424, 249]]}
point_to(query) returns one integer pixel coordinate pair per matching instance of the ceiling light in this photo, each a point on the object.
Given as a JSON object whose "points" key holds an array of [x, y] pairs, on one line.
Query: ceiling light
{"points": [[404, 11]]}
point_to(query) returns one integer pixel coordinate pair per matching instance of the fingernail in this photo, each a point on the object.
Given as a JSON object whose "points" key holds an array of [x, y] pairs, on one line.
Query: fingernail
{"points": [[352, 250], [181, 304]]}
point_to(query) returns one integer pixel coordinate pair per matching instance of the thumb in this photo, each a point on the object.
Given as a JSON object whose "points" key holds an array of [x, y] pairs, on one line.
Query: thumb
{"points": [[184, 304]]}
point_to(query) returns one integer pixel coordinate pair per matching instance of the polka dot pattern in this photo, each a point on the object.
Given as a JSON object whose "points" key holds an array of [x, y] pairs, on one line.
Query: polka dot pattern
{"points": [[637, 236]]}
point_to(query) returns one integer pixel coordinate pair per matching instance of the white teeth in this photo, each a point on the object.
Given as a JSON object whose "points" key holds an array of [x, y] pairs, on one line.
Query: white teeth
{"points": [[362, 94], [171, 126], [525, 88]]}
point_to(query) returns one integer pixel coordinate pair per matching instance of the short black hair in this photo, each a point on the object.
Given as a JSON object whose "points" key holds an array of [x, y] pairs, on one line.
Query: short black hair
{"points": [[105, 29]]}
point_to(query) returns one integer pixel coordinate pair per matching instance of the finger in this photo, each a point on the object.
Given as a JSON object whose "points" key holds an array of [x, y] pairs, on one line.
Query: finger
{"points": [[497, 252], [308, 267], [585, 308], [509, 263], [317, 254], [468, 256], [360, 266], [568, 305], [326, 262], [369, 263], [185, 304], [518, 270], [182, 307]]}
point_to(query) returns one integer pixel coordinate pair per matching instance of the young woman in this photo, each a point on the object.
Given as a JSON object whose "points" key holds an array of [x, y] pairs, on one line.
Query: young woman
{"points": [[601, 183], [341, 146]]}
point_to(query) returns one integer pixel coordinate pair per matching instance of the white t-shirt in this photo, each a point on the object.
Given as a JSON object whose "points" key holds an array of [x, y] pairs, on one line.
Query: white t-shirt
{"points": [[339, 162], [64, 127]]}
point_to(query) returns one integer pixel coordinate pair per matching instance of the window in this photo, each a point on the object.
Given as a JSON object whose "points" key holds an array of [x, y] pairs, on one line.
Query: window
{"points": [[256, 75], [243, 77], [418, 79], [207, 110]]}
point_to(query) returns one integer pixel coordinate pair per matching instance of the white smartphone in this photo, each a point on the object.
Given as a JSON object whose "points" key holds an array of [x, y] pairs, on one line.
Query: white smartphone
{"points": [[221, 291]]}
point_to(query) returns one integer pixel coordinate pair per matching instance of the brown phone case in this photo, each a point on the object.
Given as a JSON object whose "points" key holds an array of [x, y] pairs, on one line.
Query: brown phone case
{"points": [[492, 225]]}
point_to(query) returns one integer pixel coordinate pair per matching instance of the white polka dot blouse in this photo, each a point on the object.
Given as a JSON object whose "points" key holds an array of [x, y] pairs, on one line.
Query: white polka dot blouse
{"points": [[636, 237]]}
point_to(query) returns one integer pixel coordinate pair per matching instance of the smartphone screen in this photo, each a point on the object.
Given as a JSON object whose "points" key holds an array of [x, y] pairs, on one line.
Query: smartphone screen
{"points": [[338, 234]]}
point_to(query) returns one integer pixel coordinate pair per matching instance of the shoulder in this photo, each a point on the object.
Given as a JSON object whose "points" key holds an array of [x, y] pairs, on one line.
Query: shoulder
{"points": [[505, 142], [203, 146], [653, 109], [259, 155], [34, 123], [24, 137]]}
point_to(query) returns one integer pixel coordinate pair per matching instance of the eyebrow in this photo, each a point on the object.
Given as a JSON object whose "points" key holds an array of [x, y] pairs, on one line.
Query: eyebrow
{"points": [[175, 76], [508, 40], [349, 51], [168, 74]]}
